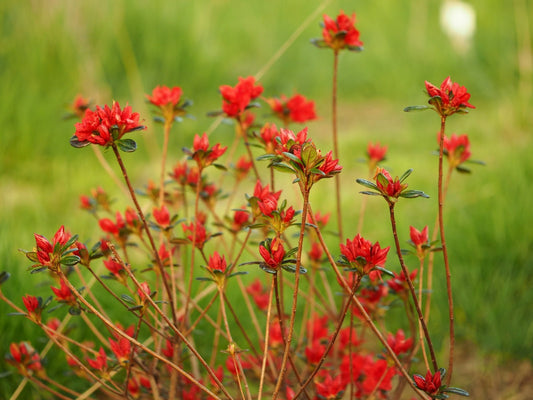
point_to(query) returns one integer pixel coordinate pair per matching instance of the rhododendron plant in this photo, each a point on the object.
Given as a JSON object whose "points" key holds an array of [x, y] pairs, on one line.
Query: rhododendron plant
{"points": [[231, 282]]}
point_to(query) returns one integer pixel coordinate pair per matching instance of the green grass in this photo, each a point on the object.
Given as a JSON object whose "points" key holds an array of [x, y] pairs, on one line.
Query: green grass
{"points": [[50, 52]]}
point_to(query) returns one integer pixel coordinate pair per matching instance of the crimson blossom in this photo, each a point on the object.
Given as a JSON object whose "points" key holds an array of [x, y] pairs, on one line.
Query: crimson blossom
{"points": [[168, 102], [456, 148], [105, 126], [235, 100], [430, 384], [449, 99], [362, 255], [340, 33], [295, 109]]}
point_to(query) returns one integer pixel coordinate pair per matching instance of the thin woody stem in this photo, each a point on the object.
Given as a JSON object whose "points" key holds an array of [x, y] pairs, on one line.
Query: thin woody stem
{"points": [[168, 125], [445, 253], [365, 315], [147, 230], [283, 368], [411, 287], [335, 140]]}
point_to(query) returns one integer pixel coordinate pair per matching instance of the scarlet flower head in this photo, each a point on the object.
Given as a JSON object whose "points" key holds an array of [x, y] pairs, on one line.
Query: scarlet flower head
{"points": [[117, 269], [121, 349], [33, 306], [217, 268], [163, 96], [235, 100], [340, 33], [64, 294], [198, 235], [449, 99], [390, 189], [273, 254], [24, 357], [100, 361], [259, 294], [106, 127], [456, 148], [269, 133], [375, 154], [420, 240], [202, 154], [143, 292], [363, 256], [296, 109], [162, 216], [398, 343], [264, 201], [431, 384], [399, 283], [78, 106], [329, 388]]}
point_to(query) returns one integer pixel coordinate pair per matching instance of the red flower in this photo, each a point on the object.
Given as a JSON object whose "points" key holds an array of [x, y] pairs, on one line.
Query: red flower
{"points": [[419, 238], [330, 388], [79, 105], [162, 216], [64, 294], [198, 234], [100, 362], [329, 167], [217, 263], [168, 350], [106, 125], [272, 253], [430, 384], [163, 96], [449, 98], [457, 148], [398, 343], [378, 375], [320, 220], [341, 33], [31, 303], [259, 295], [144, 291], [390, 188], [292, 143], [117, 269], [267, 201], [202, 154], [314, 352], [46, 251], [375, 153], [242, 167], [399, 282], [268, 135], [316, 252], [121, 348], [240, 220], [296, 109], [237, 99], [363, 255], [24, 357], [115, 228]]}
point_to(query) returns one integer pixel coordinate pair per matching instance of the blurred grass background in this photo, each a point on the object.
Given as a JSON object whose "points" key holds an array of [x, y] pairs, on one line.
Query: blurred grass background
{"points": [[50, 51]]}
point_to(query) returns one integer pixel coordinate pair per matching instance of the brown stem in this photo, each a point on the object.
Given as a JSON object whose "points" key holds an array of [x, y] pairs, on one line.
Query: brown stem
{"points": [[147, 230], [445, 253], [283, 368], [335, 140], [332, 340], [411, 286]]}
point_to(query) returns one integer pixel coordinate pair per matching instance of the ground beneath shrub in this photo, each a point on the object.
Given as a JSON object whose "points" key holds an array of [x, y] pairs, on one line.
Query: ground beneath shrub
{"points": [[490, 378]]}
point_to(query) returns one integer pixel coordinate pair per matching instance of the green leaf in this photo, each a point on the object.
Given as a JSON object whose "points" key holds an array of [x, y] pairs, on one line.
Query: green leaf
{"points": [[74, 142], [370, 193], [455, 390], [127, 145], [128, 299], [238, 273], [205, 279], [135, 308], [220, 167], [4, 276], [406, 174], [385, 271], [463, 170], [292, 157], [16, 313], [367, 183], [417, 108], [74, 311], [283, 168], [31, 255], [411, 194], [267, 157], [215, 113], [70, 260], [71, 241]]}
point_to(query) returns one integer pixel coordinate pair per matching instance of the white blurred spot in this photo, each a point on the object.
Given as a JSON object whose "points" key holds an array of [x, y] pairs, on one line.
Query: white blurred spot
{"points": [[458, 21]]}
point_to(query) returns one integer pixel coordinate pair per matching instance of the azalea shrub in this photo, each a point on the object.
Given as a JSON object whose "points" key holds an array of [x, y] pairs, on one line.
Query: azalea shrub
{"points": [[222, 272]]}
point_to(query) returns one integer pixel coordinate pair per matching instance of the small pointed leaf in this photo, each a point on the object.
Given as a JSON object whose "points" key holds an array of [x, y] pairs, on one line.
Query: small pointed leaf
{"points": [[127, 145]]}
